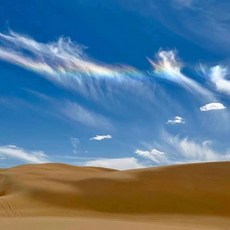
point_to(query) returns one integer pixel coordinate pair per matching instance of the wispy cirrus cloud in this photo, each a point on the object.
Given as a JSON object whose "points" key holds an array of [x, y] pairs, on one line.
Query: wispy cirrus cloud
{"points": [[192, 151], [100, 137], [14, 152], [205, 23], [218, 75], [80, 114], [212, 106], [73, 111], [64, 63], [61, 57]]}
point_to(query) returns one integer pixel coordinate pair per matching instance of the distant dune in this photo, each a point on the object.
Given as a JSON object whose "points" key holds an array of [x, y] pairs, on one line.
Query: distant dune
{"points": [[193, 196]]}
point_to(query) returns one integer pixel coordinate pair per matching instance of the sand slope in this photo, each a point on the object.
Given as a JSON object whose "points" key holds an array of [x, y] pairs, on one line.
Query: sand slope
{"points": [[195, 190]]}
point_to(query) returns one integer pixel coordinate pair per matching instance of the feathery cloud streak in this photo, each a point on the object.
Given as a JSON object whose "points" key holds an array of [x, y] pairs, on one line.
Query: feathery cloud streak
{"points": [[75, 142], [182, 3], [62, 62], [12, 151], [218, 75], [191, 151], [84, 116]]}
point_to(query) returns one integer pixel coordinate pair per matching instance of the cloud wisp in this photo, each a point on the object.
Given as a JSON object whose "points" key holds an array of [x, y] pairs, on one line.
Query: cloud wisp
{"points": [[14, 152], [218, 75], [205, 23], [212, 106], [80, 114], [75, 142], [182, 3], [100, 137], [191, 151]]}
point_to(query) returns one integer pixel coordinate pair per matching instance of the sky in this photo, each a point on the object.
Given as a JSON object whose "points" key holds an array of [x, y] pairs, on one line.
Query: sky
{"points": [[123, 84]]}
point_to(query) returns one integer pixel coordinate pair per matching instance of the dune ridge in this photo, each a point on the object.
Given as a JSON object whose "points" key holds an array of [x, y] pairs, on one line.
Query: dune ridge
{"points": [[59, 190]]}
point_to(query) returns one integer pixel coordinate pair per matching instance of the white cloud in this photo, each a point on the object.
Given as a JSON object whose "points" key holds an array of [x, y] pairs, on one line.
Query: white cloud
{"points": [[212, 106], [12, 151], [154, 155], [218, 75], [100, 137], [176, 120], [169, 67], [119, 163]]}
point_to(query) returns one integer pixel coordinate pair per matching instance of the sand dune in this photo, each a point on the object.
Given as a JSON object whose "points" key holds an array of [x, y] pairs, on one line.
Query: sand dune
{"points": [[181, 196]]}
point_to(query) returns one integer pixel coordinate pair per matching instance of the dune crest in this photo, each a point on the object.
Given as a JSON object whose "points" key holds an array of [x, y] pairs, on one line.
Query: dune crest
{"points": [[68, 191]]}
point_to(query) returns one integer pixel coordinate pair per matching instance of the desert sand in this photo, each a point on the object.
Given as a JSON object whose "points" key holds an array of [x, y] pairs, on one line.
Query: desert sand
{"points": [[59, 196]]}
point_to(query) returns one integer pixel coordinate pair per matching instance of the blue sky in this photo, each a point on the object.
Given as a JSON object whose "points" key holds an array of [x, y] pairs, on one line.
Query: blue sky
{"points": [[121, 84]]}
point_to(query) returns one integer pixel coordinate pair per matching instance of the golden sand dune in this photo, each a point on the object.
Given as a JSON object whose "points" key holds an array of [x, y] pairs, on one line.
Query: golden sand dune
{"points": [[179, 196]]}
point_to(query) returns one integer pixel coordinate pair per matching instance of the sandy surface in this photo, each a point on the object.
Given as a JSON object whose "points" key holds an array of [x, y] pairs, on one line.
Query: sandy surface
{"points": [[58, 196], [47, 223]]}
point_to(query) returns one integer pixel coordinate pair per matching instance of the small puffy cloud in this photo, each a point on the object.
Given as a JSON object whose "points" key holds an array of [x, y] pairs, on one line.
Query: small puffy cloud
{"points": [[176, 120], [212, 106], [100, 137], [117, 163], [12, 151], [153, 155]]}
